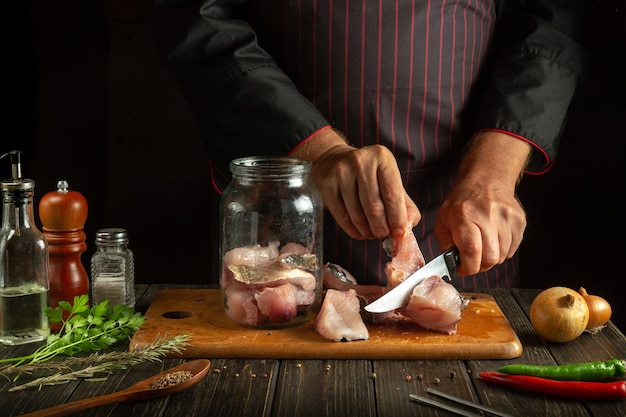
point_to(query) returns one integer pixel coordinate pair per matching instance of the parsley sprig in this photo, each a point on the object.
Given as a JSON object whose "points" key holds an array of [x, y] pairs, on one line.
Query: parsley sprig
{"points": [[86, 329]]}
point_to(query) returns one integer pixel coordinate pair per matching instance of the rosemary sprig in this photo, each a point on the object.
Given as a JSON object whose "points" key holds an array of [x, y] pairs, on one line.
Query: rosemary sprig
{"points": [[95, 367]]}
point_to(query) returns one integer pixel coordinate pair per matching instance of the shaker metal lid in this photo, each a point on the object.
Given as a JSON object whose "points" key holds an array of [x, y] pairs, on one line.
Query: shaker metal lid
{"points": [[112, 235]]}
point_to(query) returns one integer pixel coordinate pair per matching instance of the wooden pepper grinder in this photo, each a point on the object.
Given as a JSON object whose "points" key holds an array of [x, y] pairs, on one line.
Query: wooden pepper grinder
{"points": [[63, 214]]}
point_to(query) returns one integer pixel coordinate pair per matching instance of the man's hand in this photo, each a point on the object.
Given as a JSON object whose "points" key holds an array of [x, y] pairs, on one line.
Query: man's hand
{"points": [[362, 188], [482, 215]]}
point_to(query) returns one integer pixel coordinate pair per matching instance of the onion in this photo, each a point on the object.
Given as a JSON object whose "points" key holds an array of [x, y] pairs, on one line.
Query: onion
{"points": [[599, 310], [559, 314]]}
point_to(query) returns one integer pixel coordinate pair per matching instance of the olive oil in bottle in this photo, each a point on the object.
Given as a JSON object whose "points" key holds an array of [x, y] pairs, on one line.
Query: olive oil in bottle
{"points": [[22, 319]]}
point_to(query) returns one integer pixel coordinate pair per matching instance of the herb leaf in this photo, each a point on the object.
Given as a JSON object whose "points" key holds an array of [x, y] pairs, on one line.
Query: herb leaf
{"points": [[86, 329]]}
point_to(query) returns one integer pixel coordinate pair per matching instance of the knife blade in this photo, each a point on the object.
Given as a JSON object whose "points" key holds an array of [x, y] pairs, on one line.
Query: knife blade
{"points": [[443, 265]]}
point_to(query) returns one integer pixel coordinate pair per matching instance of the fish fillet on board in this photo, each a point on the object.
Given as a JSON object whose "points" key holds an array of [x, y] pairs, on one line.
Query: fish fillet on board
{"points": [[434, 304]]}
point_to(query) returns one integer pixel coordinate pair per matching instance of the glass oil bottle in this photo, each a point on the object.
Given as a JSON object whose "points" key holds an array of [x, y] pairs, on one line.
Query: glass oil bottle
{"points": [[24, 282]]}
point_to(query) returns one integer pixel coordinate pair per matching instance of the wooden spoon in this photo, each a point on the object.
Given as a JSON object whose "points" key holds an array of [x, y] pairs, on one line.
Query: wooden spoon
{"points": [[142, 390]]}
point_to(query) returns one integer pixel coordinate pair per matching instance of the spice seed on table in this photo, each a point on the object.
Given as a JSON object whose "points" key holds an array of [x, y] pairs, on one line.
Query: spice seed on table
{"points": [[173, 378]]}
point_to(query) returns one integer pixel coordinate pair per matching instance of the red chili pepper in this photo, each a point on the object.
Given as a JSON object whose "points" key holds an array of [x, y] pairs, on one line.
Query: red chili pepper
{"points": [[580, 390]]}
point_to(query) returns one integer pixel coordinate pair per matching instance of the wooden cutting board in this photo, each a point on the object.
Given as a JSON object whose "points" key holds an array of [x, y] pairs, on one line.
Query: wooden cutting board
{"points": [[483, 333]]}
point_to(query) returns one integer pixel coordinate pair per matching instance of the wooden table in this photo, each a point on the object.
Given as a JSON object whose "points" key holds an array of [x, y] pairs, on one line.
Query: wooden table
{"points": [[360, 388]]}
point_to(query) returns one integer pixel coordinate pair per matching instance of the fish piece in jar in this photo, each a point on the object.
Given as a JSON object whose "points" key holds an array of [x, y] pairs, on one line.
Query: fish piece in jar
{"points": [[272, 274]]}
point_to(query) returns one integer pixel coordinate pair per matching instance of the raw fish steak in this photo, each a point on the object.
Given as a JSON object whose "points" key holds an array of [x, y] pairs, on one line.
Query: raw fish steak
{"points": [[436, 305], [265, 284], [252, 255], [339, 318], [278, 304], [406, 257]]}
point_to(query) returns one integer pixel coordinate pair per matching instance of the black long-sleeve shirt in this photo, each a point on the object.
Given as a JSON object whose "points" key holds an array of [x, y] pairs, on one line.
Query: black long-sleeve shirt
{"points": [[420, 77]]}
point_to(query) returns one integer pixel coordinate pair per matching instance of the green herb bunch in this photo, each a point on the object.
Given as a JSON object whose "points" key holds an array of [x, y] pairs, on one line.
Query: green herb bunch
{"points": [[89, 330], [86, 329], [94, 367]]}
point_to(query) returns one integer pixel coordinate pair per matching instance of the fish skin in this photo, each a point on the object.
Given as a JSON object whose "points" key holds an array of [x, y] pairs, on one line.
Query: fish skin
{"points": [[271, 274], [337, 277], [307, 261]]}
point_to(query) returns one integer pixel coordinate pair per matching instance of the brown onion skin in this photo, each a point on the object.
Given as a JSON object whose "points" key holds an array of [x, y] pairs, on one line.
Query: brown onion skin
{"points": [[559, 314], [599, 310]]}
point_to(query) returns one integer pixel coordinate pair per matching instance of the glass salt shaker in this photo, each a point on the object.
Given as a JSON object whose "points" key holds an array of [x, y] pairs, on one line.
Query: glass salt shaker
{"points": [[112, 268], [24, 281], [271, 243]]}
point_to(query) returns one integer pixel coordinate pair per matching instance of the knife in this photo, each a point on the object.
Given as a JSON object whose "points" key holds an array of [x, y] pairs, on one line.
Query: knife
{"points": [[443, 265]]}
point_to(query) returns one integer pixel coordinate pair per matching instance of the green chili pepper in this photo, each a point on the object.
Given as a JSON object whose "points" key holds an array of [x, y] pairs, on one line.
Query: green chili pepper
{"points": [[589, 371]]}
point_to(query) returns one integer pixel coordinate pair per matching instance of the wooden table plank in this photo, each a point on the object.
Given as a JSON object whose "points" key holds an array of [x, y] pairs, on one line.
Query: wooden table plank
{"points": [[29, 400], [396, 379], [241, 387], [25, 401], [324, 388]]}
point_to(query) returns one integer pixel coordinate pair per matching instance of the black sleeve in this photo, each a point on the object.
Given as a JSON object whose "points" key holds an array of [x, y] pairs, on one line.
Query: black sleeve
{"points": [[534, 68], [242, 101]]}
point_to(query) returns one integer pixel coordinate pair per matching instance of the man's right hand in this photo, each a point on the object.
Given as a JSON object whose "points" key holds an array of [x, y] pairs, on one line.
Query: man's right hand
{"points": [[362, 188]]}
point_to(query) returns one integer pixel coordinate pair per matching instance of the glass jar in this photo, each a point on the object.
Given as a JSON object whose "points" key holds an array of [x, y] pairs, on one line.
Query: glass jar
{"points": [[113, 269], [271, 243], [24, 282]]}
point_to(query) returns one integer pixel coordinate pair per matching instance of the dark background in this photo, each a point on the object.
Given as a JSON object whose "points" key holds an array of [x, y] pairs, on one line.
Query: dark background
{"points": [[88, 100]]}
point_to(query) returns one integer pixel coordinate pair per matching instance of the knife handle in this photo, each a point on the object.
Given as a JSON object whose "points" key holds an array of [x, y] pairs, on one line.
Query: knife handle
{"points": [[452, 259]]}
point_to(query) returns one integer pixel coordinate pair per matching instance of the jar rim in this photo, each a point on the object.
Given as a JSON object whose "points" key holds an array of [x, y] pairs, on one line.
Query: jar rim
{"points": [[270, 165]]}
